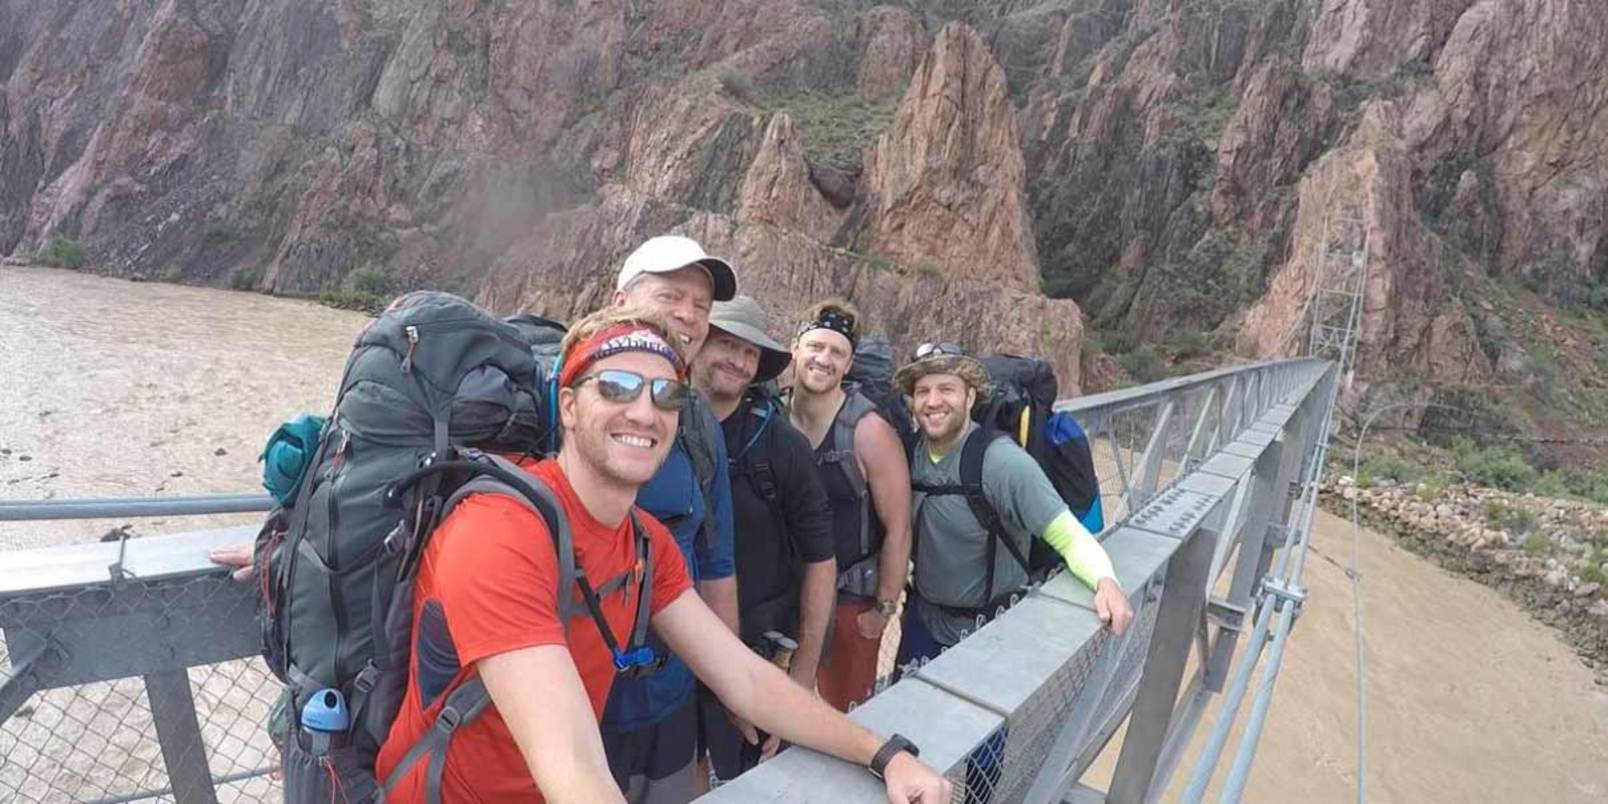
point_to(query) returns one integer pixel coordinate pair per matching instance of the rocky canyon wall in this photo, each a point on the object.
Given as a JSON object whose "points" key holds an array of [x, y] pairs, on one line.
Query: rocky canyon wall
{"points": [[994, 172]]}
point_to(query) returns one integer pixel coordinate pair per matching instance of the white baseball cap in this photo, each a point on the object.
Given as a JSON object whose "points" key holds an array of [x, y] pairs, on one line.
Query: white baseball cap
{"points": [[666, 253]]}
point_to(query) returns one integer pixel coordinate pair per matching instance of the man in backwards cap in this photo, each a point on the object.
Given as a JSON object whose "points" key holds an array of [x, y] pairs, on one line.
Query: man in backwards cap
{"points": [[786, 570]]}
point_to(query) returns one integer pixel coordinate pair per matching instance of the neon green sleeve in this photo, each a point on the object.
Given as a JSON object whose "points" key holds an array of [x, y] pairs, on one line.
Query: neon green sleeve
{"points": [[1079, 549]]}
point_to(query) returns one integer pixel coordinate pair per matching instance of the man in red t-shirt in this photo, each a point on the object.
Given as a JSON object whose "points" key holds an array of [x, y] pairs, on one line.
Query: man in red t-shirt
{"points": [[486, 604]]}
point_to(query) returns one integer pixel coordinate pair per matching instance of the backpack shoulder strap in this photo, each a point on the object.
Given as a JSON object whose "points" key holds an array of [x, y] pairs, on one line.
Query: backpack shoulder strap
{"points": [[697, 438], [765, 412], [462, 706], [971, 477], [527, 490], [971, 482], [644, 554], [855, 407]]}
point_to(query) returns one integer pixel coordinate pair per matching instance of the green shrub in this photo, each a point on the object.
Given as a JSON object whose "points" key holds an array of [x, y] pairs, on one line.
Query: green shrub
{"points": [[836, 128], [1143, 364], [1517, 521], [1597, 492], [1589, 485], [1557, 483], [1496, 466], [1432, 487], [1117, 342], [244, 278], [172, 273], [366, 288], [1597, 297], [1596, 570], [61, 253], [370, 279], [1536, 543]]}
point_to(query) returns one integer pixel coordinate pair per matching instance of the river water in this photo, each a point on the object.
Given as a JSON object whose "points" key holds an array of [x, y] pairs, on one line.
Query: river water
{"points": [[117, 388], [111, 388]]}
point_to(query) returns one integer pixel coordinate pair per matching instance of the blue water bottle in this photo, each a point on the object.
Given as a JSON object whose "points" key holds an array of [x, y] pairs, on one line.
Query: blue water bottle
{"points": [[324, 721]]}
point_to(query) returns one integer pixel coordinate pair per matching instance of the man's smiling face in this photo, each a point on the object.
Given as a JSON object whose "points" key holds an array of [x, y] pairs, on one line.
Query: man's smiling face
{"points": [[726, 365], [821, 358], [624, 442], [942, 404], [682, 296]]}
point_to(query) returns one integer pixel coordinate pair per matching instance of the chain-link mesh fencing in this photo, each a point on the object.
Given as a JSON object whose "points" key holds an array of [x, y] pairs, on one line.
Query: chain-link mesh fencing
{"points": [[106, 701]]}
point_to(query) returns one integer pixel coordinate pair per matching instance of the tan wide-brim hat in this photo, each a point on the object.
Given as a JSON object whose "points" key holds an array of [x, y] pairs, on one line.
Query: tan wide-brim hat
{"points": [[965, 367], [743, 318]]}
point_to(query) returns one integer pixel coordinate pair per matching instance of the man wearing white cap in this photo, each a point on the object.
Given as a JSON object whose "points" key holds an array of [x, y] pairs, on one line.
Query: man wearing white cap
{"points": [[650, 725]]}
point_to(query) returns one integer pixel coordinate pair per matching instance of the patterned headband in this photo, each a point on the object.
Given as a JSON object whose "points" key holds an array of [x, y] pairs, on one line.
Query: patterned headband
{"points": [[626, 337], [832, 320]]}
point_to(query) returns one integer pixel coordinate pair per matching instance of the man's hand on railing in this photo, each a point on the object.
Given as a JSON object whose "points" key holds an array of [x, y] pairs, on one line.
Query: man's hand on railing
{"points": [[239, 557], [910, 782], [1111, 605]]}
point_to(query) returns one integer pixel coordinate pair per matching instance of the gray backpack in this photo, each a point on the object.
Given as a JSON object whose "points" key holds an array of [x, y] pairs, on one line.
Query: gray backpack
{"points": [[432, 387]]}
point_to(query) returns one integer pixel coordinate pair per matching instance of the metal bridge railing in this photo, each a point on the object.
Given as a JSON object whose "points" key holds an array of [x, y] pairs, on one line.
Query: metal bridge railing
{"points": [[1197, 475], [128, 670]]}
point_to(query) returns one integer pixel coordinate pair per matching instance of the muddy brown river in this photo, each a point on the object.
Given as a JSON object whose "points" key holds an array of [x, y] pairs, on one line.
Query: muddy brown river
{"points": [[112, 388]]}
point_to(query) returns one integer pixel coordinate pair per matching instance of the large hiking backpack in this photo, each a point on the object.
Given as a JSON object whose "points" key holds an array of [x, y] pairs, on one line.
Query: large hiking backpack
{"points": [[1021, 408], [1022, 405], [872, 374], [429, 383]]}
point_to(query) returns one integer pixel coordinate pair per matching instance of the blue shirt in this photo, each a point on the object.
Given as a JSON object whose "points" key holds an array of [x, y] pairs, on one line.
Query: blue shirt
{"points": [[674, 497]]}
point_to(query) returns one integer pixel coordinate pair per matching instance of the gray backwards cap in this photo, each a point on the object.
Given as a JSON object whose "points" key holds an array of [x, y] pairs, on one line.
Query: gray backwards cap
{"points": [[743, 318]]}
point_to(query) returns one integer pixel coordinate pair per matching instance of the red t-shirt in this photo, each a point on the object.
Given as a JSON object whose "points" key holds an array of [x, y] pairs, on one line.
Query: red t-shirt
{"points": [[491, 570]]}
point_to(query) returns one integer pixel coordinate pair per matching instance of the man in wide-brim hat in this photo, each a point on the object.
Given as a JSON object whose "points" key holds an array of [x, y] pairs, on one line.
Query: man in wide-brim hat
{"points": [[945, 358], [968, 560], [743, 321], [979, 500], [777, 502]]}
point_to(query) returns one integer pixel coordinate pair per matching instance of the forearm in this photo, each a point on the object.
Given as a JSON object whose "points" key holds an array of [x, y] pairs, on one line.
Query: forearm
{"points": [[756, 690], [894, 563], [815, 609], [583, 781], [1083, 554], [775, 704], [539, 695], [721, 595]]}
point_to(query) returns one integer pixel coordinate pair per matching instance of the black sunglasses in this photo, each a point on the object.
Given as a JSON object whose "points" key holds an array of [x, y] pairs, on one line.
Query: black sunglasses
{"points": [[619, 385], [939, 348]]}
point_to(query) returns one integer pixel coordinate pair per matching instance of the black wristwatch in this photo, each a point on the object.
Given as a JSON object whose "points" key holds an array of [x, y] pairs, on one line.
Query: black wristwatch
{"points": [[884, 755]]}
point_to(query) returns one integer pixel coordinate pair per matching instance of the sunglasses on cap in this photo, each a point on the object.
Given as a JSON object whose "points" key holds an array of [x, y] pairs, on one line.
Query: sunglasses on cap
{"points": [[619, 385], [939, 348]]}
